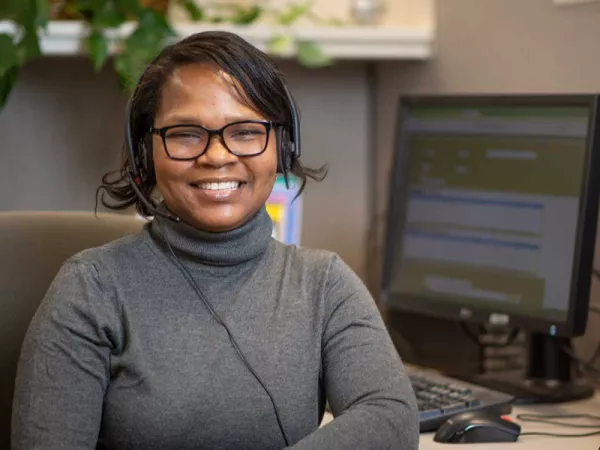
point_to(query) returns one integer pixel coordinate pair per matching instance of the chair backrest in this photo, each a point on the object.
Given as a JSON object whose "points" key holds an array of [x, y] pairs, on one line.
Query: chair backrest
{"points": [[33, 246]]}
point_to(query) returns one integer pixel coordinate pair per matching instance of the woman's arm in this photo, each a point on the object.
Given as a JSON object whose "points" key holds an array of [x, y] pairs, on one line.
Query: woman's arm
{"points": [[64, 365], [368, 391]]}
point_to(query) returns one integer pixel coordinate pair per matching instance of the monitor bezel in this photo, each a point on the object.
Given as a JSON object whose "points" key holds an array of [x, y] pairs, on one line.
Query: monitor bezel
{"points": [[583, 257]]}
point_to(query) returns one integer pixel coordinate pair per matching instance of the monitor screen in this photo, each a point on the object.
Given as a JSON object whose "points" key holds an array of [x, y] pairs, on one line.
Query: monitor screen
{"points": [[486, 203]]}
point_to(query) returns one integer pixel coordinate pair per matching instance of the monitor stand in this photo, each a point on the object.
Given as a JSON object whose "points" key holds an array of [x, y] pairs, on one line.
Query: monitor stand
{"points": [[550, 377]]}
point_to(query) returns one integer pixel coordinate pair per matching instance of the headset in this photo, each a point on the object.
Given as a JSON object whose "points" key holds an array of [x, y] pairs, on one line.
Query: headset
{"points": [[140, 170]]}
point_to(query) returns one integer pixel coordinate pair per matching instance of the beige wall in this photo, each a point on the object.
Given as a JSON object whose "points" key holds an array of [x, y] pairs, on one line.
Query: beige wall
{"points": [[498, 46]]}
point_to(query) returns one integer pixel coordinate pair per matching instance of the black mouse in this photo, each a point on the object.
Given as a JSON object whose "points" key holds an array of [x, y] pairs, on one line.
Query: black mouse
{"points": [[477, 426]]}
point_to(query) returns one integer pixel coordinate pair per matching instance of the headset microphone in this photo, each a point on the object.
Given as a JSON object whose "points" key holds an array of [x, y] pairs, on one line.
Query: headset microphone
{"points": [[149, 206]]}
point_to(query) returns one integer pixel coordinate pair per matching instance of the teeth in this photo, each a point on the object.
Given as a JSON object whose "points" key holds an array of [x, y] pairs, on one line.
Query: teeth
{"points": [[227, 186]]}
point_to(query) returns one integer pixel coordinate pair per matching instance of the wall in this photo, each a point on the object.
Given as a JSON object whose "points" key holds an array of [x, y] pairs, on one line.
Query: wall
{"points": [[62, 130], [498, 46]]}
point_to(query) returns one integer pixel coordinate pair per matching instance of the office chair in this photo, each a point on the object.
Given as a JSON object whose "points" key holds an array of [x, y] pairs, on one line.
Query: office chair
{"points": [[33, 246]]}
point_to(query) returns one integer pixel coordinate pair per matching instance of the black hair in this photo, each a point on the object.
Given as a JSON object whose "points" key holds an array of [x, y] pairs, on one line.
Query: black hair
{"points": [[260, 86]]}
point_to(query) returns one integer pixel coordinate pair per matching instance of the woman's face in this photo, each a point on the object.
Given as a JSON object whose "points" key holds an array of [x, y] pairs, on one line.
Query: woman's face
{"points": [[200, 95]]}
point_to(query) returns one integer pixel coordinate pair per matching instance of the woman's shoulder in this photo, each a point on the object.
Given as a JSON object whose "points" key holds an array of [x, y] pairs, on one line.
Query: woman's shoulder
{"points": [[115, 253], [320, 261], [303, 255]]}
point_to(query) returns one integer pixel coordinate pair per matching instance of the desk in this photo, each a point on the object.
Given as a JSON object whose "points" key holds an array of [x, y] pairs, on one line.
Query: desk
{"points": [[589, 406]]}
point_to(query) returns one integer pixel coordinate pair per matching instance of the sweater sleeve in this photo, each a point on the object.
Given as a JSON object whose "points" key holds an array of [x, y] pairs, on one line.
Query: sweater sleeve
{"points": [[64, 365], [368, 391]]}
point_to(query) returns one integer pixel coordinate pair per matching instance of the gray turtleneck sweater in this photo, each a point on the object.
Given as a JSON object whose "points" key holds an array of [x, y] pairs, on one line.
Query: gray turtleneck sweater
{"points": [[122, 354]]}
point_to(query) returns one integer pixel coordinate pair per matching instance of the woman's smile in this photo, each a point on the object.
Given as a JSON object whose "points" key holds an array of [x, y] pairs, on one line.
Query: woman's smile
{"points": [[219, 191]]}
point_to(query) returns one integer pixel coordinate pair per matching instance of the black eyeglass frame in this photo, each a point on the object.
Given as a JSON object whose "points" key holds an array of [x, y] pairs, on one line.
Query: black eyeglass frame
{"points": [[162, 132]]}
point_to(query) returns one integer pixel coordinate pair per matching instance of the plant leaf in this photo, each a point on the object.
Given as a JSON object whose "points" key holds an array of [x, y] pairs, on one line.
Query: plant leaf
{"points": [[108, 15], [125, 71], [11, 9], [129, 67], [153, 23], [9, 57], [7, 82], [280, 44], [194, 11], [149, 36], [141, 46], [246, 15], [133, 7], [98, 48], [294, 12], [29, 45], [311, 55], [42, 13]]}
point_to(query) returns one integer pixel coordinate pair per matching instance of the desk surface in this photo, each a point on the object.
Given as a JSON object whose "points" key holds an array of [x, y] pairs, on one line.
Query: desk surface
{"points": [[589, 406]]}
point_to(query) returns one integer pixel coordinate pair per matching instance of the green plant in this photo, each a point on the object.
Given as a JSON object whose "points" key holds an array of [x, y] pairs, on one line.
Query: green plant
{"points": [[307, 52], [151, 30], [18, 47]]}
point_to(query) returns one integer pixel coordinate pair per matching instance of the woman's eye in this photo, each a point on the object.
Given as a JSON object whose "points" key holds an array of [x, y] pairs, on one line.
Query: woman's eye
{"points": [[247, 134], [186, 135]]}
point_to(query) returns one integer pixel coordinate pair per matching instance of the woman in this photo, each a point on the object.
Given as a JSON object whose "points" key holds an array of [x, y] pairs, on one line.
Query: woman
{"points": [[202, 331]]}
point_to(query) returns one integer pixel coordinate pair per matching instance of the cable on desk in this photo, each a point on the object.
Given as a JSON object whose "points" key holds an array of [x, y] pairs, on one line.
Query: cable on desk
{"points": [[588, 365], [551, 420], [541, 433]]}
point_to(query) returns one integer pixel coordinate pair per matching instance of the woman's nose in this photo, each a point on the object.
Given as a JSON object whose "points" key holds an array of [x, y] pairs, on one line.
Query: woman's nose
{"points": [[217, 154]]}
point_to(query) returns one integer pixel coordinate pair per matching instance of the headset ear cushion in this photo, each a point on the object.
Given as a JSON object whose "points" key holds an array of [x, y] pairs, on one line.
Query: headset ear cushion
{"points": [[287, 161], [287, 150], [146, 159], [282, 138]]}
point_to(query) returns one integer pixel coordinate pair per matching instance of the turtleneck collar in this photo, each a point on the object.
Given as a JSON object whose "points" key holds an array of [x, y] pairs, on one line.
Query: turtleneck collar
{"points": [[219, 249]]}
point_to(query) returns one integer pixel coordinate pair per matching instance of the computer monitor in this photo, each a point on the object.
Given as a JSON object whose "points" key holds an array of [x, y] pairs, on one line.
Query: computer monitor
{"points": [[493, 205]]}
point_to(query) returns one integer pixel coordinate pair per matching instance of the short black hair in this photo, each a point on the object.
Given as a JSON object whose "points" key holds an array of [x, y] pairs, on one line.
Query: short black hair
{"points": [[260, 85]]}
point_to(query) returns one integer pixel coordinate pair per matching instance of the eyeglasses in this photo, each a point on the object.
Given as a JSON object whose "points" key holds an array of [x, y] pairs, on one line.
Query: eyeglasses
{"points": [[244, 138]]}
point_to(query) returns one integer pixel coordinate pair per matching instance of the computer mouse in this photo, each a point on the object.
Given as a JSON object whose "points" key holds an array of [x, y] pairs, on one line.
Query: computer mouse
{"points": [[477, 426]]}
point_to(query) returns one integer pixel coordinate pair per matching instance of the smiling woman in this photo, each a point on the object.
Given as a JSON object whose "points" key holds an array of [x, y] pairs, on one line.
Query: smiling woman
{"points": [[202, 331]]}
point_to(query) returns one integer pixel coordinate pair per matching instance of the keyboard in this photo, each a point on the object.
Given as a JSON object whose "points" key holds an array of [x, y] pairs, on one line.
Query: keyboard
{"points": [[440, 397]]}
